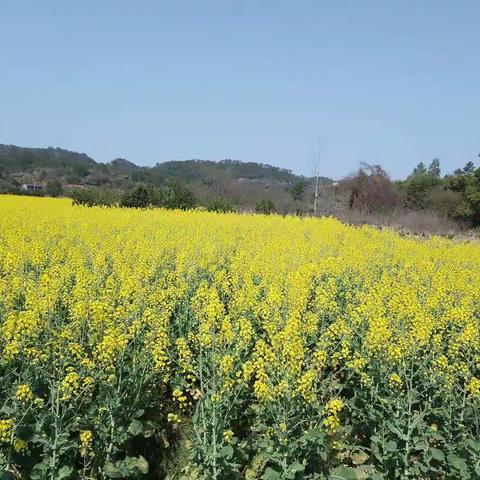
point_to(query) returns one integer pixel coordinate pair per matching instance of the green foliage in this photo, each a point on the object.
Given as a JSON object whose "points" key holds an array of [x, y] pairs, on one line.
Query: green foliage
{"points": [[127, 417], [242, 182], [221, 205], [265, 207], [468, 185], [417, 191], [91, 197], [191, 170], [142, 196], [53, 188], [420, 169], [420, 184], [131, 467], [434, 169], [16, 159], [298, 190], [443, 200], [175, 195], [469, 168]]}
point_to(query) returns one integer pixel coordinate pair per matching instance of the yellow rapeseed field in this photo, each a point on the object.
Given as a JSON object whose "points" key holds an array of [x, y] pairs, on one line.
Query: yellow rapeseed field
{"points": [[169, 344]]}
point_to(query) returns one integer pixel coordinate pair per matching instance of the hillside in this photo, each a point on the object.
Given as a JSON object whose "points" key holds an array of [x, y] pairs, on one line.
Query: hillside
{"points": [[244, 182]]}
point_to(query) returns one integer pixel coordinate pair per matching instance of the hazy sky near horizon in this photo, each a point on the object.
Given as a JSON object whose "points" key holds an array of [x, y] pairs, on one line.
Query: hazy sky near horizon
{"points": [[391, 82]]}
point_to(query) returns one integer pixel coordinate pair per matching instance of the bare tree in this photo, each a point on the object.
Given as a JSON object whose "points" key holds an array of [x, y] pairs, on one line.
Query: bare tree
{"points": [[370, 189], [316, 174]]}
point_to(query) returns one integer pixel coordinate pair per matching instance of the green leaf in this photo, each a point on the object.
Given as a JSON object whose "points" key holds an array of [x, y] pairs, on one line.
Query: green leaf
{"points": [[394, 429], [343, 473], [142, 465], [38, 439], [293, 469], [226, 452], [110, 470], [135, 428], [25, 432], [472, 444], [421, 445], [391, 446], [6, 476], [128, 468], [64, 472], [437, 454], [296, 467], [39, 471], [149, 429], [457, 462], [271, 474], [311, 434], [139, 413], [7, 410]]}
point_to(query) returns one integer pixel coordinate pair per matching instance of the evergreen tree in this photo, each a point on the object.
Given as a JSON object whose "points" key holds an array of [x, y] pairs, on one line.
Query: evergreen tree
{"points": [[419, 169], [434, 169], [469, 168]]}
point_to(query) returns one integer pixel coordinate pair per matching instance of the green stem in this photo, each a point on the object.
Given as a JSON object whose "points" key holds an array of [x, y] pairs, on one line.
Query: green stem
{"points": [[55, 411]]}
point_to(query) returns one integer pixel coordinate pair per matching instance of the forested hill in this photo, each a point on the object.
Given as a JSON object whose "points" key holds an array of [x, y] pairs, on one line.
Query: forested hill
{"points": [[17, 160], [244, 182]]}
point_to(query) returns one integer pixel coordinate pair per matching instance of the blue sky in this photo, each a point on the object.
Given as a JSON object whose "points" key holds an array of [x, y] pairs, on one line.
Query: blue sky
{"points": [[390, 82]]}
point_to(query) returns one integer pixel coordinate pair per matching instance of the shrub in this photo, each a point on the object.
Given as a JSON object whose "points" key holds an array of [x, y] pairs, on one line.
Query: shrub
{"points": [[177, 196], [54, 188], [265, 207], [92, 197], [468, 185], [370, 189], [173, 196], [298, 190], [142, 196], [221, 204]]}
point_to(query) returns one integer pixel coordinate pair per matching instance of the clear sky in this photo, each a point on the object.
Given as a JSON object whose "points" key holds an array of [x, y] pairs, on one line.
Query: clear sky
{"points": [[391, 82]]}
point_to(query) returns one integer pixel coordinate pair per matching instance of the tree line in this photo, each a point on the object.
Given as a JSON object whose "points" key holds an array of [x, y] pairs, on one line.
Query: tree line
{"points": [[455, 195], [173, 195]]}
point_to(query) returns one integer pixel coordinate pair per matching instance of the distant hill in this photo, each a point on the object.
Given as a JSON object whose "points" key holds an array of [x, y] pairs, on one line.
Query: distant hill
{"points": [[20, 159], [243, 182]]}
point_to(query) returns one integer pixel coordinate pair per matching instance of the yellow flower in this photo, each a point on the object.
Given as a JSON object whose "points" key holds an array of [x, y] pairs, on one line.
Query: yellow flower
{"points": [[173, 418], [86, 441], [226, 364], [331, 423], [70, 385], [227, 436], [305, 385], [335, 406], [177, 393], [394, 380], [473, 387], [20, 445], [215, 308], [24, 394], [88, 381], [6, 429]]}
